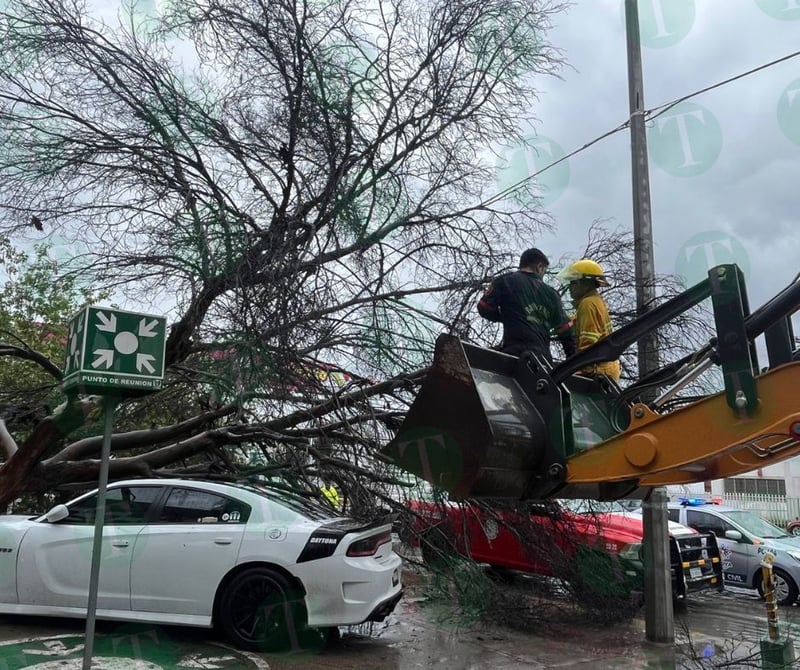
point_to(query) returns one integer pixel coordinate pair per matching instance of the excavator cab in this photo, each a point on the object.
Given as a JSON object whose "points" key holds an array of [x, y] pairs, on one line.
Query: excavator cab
{"points": [[489, 425]]}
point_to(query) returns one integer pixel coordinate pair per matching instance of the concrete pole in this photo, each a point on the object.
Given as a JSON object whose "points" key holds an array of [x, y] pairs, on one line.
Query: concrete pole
{"points": [[659, 624], [642, 226], [658, 615]]}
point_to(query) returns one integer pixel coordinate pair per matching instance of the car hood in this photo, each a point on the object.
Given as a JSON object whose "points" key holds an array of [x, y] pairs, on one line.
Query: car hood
{"points": [[13, 519], [633, 525], [781, 543], [12, 528]]}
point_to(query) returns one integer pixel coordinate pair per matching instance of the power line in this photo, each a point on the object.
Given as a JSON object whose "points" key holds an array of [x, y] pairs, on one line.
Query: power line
{"points": [[519, 184], [649, 115]]}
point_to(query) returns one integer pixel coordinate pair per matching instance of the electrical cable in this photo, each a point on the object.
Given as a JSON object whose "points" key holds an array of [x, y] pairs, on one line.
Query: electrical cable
{"points": [[515, 187], [649, 115]]}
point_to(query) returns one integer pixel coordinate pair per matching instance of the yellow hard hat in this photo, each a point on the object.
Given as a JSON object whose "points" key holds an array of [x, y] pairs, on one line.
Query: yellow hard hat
{"points": [[583, 269]]}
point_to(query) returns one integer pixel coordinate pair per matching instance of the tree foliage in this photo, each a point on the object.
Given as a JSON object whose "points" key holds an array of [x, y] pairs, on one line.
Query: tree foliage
{"points": [[300, 186], [304, 188], [34, 311]]}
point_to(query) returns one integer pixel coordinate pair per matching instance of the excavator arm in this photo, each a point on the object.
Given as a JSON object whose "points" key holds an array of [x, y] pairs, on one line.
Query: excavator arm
{"points": [[488, 425]]}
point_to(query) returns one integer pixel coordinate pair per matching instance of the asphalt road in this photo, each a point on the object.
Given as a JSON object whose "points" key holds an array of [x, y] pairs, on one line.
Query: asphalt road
{"points": [[720, 627]]}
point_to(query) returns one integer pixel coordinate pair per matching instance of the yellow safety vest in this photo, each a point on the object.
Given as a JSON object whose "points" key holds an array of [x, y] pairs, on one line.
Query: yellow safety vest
{"points": [[591, 323], [331, 494]]}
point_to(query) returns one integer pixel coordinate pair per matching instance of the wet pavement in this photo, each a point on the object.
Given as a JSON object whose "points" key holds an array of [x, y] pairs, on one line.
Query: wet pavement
{"points": [[716, 630], [409, 640]]}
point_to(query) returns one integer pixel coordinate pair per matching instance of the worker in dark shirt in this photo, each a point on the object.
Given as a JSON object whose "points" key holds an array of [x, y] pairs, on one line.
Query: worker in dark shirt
{"points": [[529, 309]]}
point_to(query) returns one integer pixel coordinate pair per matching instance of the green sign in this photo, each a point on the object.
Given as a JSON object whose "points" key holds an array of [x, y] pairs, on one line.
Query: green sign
{"points": [[115, 351]]}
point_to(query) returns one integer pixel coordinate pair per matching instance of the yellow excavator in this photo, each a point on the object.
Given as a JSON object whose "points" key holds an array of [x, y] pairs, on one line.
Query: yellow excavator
{"points": [[488, 425]]}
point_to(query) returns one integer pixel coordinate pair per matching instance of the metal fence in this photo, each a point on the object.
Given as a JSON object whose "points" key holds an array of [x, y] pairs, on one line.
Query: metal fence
{"points": [[780, 510]]}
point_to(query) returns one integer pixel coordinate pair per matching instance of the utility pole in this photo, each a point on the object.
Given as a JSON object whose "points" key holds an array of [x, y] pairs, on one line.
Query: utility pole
{"points": [[659, 624]]}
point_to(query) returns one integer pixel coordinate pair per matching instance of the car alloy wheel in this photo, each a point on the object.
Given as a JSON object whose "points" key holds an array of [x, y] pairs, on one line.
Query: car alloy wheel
{"points": [[259, 610], [795, 530]]}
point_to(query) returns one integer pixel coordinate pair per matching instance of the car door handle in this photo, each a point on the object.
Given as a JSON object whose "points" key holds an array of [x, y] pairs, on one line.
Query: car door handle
{"points": [[119, 543], [222, 540]]}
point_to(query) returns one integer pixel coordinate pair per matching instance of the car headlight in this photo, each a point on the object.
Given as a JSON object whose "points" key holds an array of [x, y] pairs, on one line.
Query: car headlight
{"points": [[632, 552], [795, 555]]}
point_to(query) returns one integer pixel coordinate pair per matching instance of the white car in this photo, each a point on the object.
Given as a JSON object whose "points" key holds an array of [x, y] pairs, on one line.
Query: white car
{"points": [[259, 563]]}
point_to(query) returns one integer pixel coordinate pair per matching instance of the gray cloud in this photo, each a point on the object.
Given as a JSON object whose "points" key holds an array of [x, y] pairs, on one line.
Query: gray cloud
{"points": [[750, 192]]}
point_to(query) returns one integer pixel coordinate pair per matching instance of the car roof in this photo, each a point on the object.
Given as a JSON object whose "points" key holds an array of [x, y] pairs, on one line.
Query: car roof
{"points": [[179, 481], [710, 507], [258, 489]]}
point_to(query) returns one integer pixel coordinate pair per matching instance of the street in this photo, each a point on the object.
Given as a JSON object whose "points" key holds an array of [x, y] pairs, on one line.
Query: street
{"points": [[715, 628]]}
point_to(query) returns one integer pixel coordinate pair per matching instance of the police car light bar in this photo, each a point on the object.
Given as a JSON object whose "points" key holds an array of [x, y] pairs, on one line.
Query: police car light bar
{"points": [[693, 502]]}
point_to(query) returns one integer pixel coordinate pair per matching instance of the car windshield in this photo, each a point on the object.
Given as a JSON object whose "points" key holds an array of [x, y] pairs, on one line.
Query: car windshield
{"points": [[594, 507], [755, 525]]}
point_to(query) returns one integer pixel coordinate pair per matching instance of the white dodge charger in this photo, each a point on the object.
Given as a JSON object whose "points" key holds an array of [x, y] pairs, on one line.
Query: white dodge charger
{"points": [[258, 563]]}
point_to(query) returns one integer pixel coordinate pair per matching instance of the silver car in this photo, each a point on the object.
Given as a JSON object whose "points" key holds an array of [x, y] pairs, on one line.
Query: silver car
{"points": [[744, 538]]}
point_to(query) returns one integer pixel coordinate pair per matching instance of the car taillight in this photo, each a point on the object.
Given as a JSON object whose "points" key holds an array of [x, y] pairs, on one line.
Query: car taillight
{"points": [[369, 545]]}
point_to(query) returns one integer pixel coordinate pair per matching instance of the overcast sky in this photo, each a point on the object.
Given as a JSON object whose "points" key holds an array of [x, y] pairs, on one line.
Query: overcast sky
{"points": [[730, 174], [724, 168]]}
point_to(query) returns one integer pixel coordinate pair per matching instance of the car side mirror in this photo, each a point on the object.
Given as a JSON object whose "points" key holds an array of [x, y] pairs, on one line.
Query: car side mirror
{"points": [[57, 513], [553, 511], [733, 535]]}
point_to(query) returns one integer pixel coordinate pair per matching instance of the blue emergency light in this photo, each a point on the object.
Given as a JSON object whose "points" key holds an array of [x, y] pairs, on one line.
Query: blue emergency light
{"points": [[692, 502]]}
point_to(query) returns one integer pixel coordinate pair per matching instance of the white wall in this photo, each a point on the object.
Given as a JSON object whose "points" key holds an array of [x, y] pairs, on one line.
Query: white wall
{"points": [[788, 470]]}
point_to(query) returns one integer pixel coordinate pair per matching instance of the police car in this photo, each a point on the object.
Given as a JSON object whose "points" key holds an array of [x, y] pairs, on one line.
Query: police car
{"points": [[744, 539], [259, 563]]}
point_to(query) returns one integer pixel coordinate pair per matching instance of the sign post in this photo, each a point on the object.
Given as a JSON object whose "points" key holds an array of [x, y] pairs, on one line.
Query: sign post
{"points": [[115, 354], [109, 402]]}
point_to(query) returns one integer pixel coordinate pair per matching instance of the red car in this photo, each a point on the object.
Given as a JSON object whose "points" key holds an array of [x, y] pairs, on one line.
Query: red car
{"points": [[595, 547]]}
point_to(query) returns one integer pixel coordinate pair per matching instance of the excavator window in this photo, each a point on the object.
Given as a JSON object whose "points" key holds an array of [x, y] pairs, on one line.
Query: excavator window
{"points": [[594, 414]]}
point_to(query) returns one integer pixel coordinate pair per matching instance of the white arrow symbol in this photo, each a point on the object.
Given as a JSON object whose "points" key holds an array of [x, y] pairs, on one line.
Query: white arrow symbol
{"points": [[143, 361], [146, 329], [204, 661], [109, 322], [54, 648], [103, 356]]}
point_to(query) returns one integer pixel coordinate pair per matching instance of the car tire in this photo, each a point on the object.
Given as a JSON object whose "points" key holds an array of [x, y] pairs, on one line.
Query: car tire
{"points": [[795, 530], [786, 591], [501, 575], [332, 636], [259, 610]]}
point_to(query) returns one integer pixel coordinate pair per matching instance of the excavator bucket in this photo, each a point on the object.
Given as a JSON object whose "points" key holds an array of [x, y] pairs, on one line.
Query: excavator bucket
{"points": [[488, 425], [471, 430], [475, 431]]}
